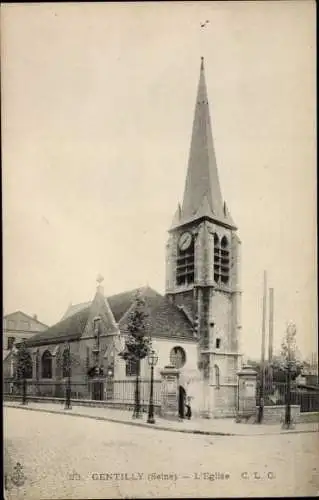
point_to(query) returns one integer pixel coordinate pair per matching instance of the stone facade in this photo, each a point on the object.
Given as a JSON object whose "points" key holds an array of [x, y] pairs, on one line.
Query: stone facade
{"points": [[167, 325], [212, 294]]}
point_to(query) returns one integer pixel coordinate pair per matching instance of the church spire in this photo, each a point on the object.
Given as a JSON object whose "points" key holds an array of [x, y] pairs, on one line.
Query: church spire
{"points": [[202, 176]]}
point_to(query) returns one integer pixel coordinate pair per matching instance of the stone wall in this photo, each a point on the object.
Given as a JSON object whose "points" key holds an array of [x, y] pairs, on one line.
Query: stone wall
{"points": [[276, 414], [225, 401], [83, 402], [308, 417]]}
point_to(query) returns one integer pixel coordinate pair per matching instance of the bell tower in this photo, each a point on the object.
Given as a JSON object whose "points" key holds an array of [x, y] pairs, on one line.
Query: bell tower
{"points": [[203, 264]]}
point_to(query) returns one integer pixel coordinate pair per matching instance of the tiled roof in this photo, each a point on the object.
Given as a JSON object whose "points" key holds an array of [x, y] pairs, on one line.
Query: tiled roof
{"points": [[119, 303], [71, 328], [165, 319], [72, 309]]}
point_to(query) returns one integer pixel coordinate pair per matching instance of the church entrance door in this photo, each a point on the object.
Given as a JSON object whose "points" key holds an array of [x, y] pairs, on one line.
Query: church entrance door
{"points": [[181, 401], [97, 391]]}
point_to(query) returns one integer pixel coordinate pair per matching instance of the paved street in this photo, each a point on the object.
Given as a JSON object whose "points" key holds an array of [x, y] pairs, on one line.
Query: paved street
{"points": [[68, 457]]}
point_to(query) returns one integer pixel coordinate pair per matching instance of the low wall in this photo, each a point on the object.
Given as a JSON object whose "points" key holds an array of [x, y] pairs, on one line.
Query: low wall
{"points": [[308, 417], [84, 402], [276, 414]]}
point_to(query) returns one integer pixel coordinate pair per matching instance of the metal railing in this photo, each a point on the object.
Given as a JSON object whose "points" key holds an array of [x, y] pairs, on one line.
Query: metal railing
{"points": [[276, 394], [117, 391]]}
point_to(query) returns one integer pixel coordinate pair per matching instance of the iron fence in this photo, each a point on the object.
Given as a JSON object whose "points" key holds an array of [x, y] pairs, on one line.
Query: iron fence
{"points": [[117, 391], [276, 394], [124, 391]]}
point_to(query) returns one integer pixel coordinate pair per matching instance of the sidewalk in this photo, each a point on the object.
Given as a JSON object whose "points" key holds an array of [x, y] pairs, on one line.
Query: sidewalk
{"points": [[222, 427]]}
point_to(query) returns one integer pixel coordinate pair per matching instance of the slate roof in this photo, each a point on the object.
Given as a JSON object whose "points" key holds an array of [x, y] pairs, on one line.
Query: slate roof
{"points": [[202, 193], [165, 319], [119, 303], [68, 328]]}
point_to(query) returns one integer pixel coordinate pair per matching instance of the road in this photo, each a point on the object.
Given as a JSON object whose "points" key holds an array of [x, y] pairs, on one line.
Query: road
{"points": [[65, 457]]}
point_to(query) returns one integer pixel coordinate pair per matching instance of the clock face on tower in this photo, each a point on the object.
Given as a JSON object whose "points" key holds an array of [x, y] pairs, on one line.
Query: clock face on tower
{"points": [[185, 241]]}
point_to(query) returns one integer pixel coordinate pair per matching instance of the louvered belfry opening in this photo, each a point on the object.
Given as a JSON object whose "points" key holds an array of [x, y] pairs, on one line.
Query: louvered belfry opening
{"points": [[185, 265], [221, 260]]}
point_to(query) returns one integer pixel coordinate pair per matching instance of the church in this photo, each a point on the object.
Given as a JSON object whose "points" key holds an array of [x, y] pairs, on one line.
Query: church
{"points": [[195, 326]]}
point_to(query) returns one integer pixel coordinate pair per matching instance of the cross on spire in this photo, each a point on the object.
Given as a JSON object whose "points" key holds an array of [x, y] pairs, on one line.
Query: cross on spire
{"points": [[99, 279]]}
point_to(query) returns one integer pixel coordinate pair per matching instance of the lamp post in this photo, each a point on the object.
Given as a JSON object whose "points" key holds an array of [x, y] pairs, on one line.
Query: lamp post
{"points": [[152, 361], [109, 382], [291, 330], [67, 361], [37, 369]]}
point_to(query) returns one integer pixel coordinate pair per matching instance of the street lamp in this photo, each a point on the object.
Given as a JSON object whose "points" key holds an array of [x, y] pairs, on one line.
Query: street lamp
{"points": [[152, 361], [67, 363], [109, 382], [291, 330]]}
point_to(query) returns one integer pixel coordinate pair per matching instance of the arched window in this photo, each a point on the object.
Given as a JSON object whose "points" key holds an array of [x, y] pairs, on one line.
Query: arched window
{"points": [[46, 365], [177, 357], [66, 362], [216, 258], [221, 259], [132, 367], [185, 263], [217, 377]]}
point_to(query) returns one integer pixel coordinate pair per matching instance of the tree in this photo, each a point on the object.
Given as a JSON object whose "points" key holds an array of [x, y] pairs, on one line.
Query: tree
{"points": [[290, 358], [137, 345], [290, 354], [277, 369], [66, 362], [23, 368]]}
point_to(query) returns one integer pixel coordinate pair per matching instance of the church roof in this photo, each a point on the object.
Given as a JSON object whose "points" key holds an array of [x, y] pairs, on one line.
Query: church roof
{"points": [[202, 194], [165, 319], [69, 328]]}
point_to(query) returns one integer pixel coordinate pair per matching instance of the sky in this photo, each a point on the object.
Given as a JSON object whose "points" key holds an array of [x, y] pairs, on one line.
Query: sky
{"points": [[97, 109]]}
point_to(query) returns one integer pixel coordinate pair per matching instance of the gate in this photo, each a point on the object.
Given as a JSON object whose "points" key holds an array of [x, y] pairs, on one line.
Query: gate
{"points": [[97, 390]]}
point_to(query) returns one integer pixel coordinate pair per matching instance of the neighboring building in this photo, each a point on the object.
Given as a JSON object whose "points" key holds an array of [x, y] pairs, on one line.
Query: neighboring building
{"points": [[309, 374], [194, 327], [311, 365], [18, 326]]}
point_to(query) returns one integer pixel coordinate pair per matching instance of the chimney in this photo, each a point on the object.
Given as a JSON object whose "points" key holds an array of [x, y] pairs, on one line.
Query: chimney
{"points": [[35, 317]]}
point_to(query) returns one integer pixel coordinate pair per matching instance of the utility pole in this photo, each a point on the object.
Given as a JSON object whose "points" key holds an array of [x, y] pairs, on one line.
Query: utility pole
{"points": [[263, 341], [291, 332], [271, 334]]}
